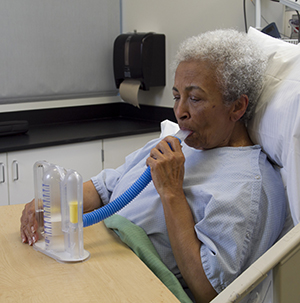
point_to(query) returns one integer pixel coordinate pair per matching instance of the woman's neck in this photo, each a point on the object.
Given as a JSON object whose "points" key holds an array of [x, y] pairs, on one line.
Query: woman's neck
{"points": [[240, 136]]}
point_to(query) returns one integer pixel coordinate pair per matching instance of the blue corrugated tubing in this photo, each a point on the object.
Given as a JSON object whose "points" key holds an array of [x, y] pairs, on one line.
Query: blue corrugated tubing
{"points": [[120, 202]]}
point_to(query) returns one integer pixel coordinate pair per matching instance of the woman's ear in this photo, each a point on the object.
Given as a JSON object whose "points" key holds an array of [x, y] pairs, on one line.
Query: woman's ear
{"points": [[239, 108]]}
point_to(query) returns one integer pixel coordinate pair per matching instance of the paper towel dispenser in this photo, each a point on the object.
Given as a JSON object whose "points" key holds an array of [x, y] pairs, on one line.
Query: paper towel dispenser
{"points": [[140, 56]]}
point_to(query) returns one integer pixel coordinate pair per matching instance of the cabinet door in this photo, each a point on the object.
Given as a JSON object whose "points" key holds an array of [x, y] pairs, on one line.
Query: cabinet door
{"points": [[3, 180], [85, 158], [115, 150]]}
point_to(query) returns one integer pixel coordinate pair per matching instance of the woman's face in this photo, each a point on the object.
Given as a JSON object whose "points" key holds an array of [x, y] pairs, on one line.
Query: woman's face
{"points": [[199, 106]]}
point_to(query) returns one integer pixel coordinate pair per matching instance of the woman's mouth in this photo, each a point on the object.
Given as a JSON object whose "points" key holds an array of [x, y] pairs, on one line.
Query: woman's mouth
{"points": [[186, 130], [182, 134]]}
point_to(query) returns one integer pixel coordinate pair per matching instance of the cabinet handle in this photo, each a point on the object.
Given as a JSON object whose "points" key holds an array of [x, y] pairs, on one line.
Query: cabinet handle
{"points": [[15, 170], [3, 173]]}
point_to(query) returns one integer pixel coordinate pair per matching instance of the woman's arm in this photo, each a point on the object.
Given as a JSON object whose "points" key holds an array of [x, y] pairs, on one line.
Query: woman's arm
{"points": [[167, 169], [91, 198], [185, 245]]}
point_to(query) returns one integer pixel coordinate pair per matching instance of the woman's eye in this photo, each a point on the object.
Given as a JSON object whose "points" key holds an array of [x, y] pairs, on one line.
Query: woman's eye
{"points": [[194, 99]]}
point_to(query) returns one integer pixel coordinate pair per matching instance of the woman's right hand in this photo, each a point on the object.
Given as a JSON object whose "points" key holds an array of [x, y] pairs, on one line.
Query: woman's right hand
{"points": [[29, 224]]}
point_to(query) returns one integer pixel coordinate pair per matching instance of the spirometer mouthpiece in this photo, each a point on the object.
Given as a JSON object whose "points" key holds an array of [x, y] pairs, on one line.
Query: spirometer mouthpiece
{"points": [[182, 134]]}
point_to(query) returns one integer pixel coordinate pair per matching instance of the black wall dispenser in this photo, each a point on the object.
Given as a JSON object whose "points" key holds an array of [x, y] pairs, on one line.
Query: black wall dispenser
{"points": [[140, 56]]}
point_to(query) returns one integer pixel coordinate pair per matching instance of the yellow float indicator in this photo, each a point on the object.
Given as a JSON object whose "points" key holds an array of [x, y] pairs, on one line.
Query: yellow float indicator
{"points": [[73, 212]]}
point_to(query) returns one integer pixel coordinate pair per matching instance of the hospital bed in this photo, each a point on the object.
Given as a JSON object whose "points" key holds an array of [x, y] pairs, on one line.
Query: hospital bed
{"points": [[275, 276]]}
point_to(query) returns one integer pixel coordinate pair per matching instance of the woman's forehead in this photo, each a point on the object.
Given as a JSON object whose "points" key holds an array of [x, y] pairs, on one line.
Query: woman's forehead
{"points": [[194, 75]]}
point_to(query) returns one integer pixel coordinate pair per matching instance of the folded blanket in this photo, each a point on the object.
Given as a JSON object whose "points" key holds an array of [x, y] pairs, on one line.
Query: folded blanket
{"points": [[136, 238]]}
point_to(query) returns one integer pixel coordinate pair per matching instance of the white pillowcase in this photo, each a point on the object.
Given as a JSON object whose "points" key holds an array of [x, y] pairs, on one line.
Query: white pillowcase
{"points": [[276, 121]]}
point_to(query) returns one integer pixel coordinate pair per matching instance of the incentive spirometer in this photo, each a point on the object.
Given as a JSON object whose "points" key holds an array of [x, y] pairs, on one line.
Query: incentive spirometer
{"points": [[59, 208]]}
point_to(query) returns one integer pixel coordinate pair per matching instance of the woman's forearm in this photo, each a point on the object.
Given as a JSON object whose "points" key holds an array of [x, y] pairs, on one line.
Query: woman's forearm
{"points": [[91, 198], [186, 247]]}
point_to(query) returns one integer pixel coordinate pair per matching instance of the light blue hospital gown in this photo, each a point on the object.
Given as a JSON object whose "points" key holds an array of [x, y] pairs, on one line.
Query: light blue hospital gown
{"points": [[236, 196]]}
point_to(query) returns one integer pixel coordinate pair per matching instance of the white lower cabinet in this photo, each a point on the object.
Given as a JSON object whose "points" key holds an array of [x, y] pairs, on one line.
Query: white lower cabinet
{"points": [[115, 150], [85, 158], [3, 180]]}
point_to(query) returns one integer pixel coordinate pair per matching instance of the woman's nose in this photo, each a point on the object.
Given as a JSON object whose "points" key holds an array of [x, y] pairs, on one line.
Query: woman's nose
{"points": [[181, 110]]}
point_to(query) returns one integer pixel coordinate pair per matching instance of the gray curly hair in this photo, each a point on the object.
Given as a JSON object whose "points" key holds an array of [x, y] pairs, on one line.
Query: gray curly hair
{"points": [[238, 61]]}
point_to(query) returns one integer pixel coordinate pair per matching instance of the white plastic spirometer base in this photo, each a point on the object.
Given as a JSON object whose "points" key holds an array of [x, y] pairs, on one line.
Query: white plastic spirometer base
{"points": [[60, 256]]}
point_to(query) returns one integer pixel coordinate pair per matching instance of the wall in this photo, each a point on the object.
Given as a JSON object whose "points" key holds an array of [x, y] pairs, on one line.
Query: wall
{"points": [[179, 19]]}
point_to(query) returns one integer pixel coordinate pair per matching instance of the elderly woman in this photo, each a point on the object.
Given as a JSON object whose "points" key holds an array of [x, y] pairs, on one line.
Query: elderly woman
{"points": [[216, 203]]}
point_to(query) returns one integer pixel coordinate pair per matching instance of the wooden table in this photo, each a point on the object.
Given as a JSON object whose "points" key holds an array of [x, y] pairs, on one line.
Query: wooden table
{"points": [[112, 274]]}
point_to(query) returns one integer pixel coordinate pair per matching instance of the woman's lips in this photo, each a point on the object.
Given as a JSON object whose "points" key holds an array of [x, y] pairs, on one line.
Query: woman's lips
{"points": [[187, 130]]}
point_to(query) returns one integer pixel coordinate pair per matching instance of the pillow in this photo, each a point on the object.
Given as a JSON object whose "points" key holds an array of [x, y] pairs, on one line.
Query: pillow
{"points": [[276, 120]]}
